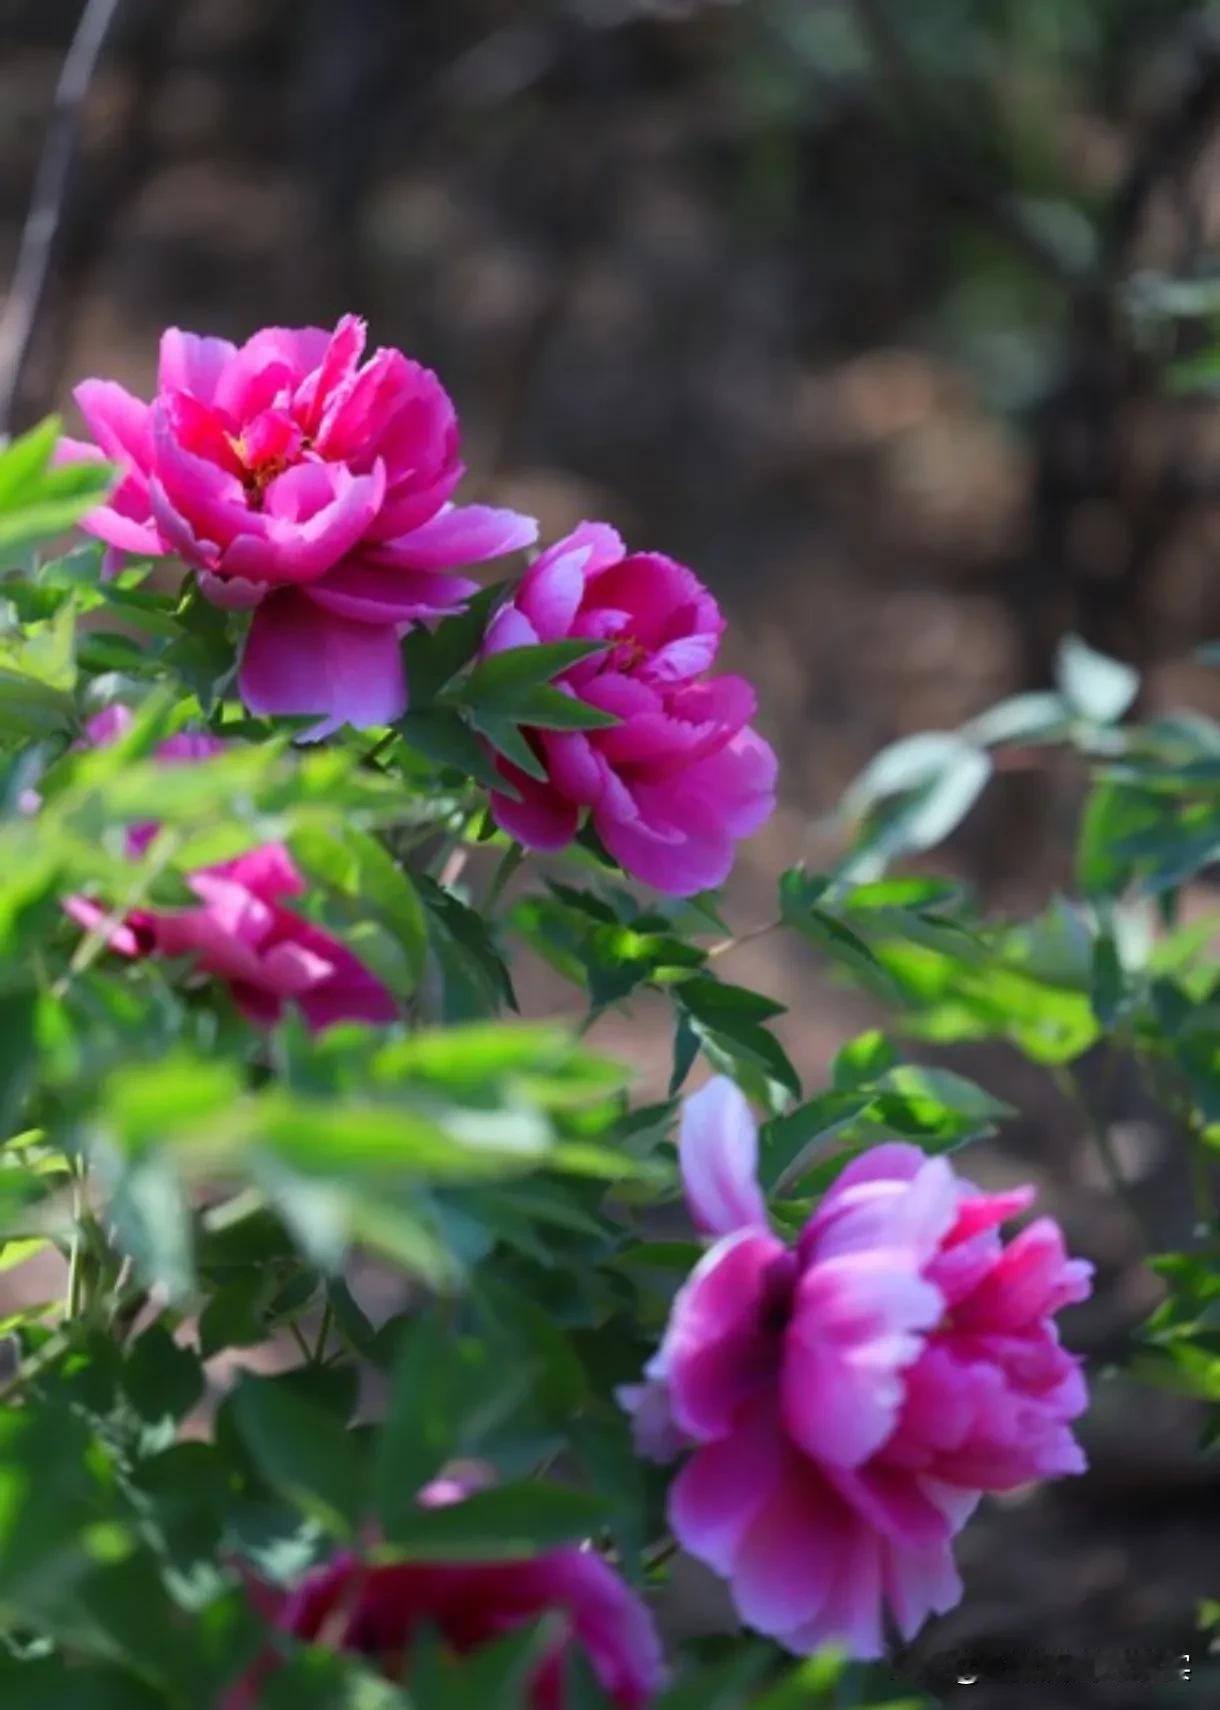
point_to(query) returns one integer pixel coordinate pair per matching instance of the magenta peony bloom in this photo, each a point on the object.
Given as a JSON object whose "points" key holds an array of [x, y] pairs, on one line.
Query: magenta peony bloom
{"points": [[295, 480], [241, 931], [379, 1612], [681, 778], [848, 1400]]}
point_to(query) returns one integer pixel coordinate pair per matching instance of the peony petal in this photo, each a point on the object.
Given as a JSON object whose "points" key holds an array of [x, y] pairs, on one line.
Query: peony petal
{"points": [[368, 591], [850, 1617], [230, 593], [718, 1153], [1032, 1279], [121, 937], [461, 535], [655, 1432], [300, 659], [724, 1487], [868, 1216], [722, 1348], [919, 1583], [790, 1554], [192, 364], [854, 1329], [509, 628], [268, 872], [541, 818], [121, 424]]}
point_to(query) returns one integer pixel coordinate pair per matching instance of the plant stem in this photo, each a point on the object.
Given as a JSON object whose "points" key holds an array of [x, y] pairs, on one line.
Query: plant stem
{"points": [[35, 1366], [1098, 1130], [76, 1267], [512, 859], [328, 1318], [306, 1351], [378, 748], [755, 932], [164, 847]]}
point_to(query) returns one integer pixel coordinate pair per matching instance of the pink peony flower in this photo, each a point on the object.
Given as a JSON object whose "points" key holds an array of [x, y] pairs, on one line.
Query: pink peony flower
{"points": [[299, 482], [241, 932], [672, 787], [379, 1612], [849, 1399]]}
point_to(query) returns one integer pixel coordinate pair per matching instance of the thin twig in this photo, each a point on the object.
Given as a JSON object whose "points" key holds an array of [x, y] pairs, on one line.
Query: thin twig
{"points": [[19, 317], [750, 937], [512, 859], [328, 1318], [306, 1351]]}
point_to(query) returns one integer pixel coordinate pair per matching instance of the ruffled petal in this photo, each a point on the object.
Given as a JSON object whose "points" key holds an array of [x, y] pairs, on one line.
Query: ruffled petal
{"points": [[461, 535]]}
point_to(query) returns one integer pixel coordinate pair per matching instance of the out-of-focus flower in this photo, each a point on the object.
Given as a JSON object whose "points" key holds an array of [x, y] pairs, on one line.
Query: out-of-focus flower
{"points": [[298, 480], [240, 931], [849, 1399], [673, 786], [379, 1613]]}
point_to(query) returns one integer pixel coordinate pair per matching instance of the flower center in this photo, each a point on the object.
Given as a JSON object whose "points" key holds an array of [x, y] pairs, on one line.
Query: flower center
{"points": [[629, 653], [264, 449]]}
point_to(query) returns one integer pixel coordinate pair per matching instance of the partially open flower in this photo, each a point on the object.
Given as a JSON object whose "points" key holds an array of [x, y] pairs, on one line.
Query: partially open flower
{"points": [[848, 1399], [681, 777], [240, 931], [381, 1612]]}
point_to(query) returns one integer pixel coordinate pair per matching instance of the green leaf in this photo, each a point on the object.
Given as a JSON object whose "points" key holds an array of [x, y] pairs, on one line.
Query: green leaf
{"points": [[53, 1683], [162, 1380], [302, 1451], [719, 1004], [499, 683], [1108, 980], [509, 1520], [38, 500], [145, 1102], [418, 1434], [507, 737], [937, 1104], [810, 1685], [469, 940], [356, 864], [1099, 689], [862, 1060], [1040, 716], [17, 1060], [547, 708], [787, 1142], [842, 944], [445, 738], [433, 657], [147, 1206]]}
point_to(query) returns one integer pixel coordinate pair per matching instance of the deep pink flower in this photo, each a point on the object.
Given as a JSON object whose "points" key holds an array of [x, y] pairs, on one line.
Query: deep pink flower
{"points": [[241, 932], [379, 1612], [296, 480], [681, 777], [849, 1399]]}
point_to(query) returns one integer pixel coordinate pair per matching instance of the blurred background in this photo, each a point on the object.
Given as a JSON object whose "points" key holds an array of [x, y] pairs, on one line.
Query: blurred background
{"points": [[878, 314]]}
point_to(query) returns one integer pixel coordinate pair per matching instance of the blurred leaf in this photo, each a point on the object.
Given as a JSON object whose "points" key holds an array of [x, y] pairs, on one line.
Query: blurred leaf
{"points": [[302, 1451], [1099, 689], [509, 1520], [357, 865], [39, 500]]}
